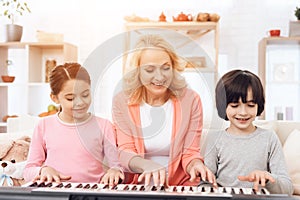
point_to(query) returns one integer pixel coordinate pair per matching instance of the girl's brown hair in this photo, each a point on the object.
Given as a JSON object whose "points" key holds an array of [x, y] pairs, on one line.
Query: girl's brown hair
{"points": [[68, 71]]}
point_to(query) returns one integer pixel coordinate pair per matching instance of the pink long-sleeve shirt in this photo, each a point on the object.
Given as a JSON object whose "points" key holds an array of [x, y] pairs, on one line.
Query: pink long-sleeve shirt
{"points": [[77, 150]]}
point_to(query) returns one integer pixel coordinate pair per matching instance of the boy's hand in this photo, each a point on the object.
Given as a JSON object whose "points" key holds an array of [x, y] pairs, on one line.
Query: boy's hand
{"points": [[258, 177], [196, 168]]}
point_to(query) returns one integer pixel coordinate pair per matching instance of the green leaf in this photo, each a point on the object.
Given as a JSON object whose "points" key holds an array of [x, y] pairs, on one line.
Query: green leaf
{"points": [[13, 7]]}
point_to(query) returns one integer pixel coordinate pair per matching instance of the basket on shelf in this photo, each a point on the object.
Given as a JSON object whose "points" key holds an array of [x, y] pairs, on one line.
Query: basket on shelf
{"points": [[49, 37]]}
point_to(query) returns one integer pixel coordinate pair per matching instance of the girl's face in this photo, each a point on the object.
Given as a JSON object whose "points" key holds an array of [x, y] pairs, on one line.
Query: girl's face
{"points": [[156, 72], [75, 100], [241, 115]]}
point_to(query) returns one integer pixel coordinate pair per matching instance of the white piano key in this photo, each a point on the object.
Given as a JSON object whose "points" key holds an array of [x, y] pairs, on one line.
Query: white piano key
{"points": [[247, 191]]}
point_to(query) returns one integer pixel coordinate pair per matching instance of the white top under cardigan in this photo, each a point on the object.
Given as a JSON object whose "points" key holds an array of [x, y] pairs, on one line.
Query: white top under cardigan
{"points": [[156, 124]]}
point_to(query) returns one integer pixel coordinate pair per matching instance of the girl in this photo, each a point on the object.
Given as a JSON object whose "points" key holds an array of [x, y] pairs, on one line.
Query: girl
{"points": [[72, 144], [244, 155]]}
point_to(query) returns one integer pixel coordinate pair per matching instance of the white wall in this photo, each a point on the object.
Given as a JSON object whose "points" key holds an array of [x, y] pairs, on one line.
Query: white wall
{"points": [[90, 23]]}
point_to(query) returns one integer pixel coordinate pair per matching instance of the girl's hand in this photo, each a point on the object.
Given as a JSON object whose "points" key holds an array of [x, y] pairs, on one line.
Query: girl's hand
{"points": [[49, 174], [197, 168], [112, 177], [258, 178], [154, 171]]}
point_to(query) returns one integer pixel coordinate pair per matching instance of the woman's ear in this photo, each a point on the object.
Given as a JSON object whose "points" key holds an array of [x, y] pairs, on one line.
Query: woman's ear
{"points": [[54, 98]]}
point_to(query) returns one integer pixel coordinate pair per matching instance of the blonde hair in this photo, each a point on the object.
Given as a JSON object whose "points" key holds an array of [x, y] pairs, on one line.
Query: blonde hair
{"points": [[132, 85]]}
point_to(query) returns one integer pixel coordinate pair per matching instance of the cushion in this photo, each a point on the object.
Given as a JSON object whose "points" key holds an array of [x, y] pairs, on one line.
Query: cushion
{"points": [[291, 150], [21, 123], [16, 135]]}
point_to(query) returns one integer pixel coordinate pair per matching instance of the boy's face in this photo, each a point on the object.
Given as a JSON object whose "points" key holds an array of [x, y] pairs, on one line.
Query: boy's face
{"points": [[241, 115], [75, 100]]}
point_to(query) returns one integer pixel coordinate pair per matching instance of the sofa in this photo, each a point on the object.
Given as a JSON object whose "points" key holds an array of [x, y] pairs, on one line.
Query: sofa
{"points": [[287, 131]]}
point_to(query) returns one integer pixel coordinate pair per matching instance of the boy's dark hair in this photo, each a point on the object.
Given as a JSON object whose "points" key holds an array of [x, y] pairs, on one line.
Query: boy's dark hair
{"points": [[234, 85]]}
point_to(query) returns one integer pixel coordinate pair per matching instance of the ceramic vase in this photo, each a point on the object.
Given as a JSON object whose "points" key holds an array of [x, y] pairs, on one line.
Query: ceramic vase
{"points": [[294, 28], [13, 32]]}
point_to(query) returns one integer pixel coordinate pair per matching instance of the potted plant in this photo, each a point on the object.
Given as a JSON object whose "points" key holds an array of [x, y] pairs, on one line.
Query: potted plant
{"points": [[10, 9], [294, 26], [297, 13]]}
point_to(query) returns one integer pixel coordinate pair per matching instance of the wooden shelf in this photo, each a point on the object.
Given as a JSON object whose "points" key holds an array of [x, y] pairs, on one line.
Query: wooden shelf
{"points": [[172, 25], [263, 67], [262, 51], [21, 45], [30, 60], [280, 40]]}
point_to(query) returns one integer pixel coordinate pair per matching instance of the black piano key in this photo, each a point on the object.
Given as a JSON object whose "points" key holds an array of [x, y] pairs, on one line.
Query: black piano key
{"points": [[212, 190], [241, 191], [163, 188], [232, 191], [42, 184], [126, 187], [134, 188], [115, 187], [87, 186], [95, 186], [106, 187], [224, 190], [68, 185], [202, 189], [263, 191], [254, 191], [35, 184], [142, 188], [48, 185], [60, 185], [153, 188], [79, 186]]}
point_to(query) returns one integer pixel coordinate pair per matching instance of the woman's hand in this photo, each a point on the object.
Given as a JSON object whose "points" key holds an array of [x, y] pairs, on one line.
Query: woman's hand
{"points": [[112, 177], [154, 171], [148, 170], [49, 174], [196, 168], [258, 178]]}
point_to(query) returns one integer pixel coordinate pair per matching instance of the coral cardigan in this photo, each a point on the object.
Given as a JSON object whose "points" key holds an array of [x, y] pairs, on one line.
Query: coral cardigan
{"points": [[186, 133]]}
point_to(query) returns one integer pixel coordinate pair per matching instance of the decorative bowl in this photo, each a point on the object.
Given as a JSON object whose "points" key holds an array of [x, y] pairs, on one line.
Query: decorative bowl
{"points": [[8, 79]]}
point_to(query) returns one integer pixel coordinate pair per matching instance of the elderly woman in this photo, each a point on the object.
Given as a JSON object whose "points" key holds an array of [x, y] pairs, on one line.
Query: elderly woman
{"points": [[158, 119]]}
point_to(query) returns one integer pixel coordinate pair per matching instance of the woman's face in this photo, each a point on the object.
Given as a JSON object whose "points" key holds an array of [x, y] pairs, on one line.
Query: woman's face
{"points": [[156, 72]]}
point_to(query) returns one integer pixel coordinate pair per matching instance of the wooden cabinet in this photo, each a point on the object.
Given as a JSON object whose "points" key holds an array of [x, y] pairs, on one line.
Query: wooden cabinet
{"points": [[279, 70], [197, 42], [29, 93]]}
